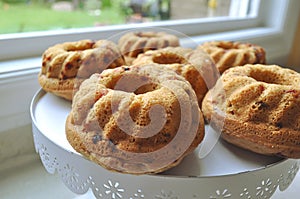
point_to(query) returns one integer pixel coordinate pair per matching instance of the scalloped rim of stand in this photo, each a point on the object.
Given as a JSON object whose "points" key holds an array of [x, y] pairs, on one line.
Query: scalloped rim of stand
{"points": [[80, 175]]}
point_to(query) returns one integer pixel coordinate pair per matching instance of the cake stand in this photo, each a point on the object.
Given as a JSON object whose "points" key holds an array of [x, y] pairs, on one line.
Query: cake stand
{"points": [[226, 172]]}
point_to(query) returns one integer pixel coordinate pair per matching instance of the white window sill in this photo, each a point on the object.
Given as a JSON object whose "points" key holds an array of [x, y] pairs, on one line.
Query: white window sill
{"points": [[27, 178], [19, 65]]}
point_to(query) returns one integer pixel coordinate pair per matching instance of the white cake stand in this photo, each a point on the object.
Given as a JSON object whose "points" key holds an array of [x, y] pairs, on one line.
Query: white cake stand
{"points": [[226, 172]]}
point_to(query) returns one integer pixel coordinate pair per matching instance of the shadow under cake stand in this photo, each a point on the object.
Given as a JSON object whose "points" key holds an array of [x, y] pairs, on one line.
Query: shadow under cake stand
{"points": [[226, 172]]}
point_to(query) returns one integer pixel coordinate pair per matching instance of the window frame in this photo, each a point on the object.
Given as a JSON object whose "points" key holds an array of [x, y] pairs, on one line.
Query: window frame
{"points": [[39, 41], [20, 55], [17, 43]]}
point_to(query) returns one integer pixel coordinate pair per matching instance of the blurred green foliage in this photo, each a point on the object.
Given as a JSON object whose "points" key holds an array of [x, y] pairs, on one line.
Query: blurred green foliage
{"points": [[37, 15]]}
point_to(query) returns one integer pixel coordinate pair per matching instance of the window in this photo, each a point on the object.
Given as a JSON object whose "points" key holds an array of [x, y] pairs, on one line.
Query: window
{"points": [[40, 25], [269, 23], [43, 15]]}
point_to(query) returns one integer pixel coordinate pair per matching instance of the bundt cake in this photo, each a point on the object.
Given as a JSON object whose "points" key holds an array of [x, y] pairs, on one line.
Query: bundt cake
{"points": [[227, 54], [64, 63], [257, 107], [194, 65], [135, 119], [133, 43]]}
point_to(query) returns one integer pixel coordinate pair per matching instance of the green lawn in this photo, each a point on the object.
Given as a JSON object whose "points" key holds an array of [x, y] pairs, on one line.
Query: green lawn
{"points": [[16, 18]]}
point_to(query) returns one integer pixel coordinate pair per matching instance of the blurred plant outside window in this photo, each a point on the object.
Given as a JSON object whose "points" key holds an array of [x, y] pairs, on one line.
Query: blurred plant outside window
{"points": [[18, 16]]}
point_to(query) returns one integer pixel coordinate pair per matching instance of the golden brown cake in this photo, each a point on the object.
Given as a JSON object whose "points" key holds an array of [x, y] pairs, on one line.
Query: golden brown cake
{"points": [[133, 43], [135, 119], [65, 63], [260, 108], [194, 65], [227, 54]]}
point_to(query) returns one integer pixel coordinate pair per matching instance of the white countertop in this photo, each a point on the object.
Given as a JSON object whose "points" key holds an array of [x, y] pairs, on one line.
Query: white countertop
{"points": [[25, 177]]}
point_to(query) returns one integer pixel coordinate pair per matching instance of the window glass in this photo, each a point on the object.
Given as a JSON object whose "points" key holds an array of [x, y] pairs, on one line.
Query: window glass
{"points": [[18, 16]]}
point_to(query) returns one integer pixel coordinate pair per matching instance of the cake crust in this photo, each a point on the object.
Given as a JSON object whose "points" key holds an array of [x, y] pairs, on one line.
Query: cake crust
{"points": [[138, 130], [257, 107], [195, 66], [132, 44], [67, 64], [227, 54]]}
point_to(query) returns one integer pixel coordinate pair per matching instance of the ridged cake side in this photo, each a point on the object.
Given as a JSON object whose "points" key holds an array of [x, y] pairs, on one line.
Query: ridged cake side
{"points": [[260, 106]]}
